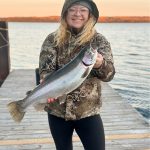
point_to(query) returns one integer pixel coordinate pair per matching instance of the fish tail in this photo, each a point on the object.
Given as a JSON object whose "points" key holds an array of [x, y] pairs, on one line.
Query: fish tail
{"points": [[15, 111], [39, 106]]}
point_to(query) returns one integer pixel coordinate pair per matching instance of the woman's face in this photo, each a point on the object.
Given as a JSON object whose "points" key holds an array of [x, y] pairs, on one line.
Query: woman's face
{"points": [[77, 16]]}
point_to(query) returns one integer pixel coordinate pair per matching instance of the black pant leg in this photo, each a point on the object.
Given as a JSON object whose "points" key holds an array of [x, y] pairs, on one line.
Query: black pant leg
{"points": [[91, 132], [61, 131]]}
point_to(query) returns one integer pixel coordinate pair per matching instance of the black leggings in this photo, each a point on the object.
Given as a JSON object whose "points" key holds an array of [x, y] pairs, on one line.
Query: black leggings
{"points": [[90, 130]]}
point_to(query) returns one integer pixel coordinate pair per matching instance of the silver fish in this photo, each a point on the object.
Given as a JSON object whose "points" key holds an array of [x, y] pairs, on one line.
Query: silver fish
{"points": [[57, 84]]}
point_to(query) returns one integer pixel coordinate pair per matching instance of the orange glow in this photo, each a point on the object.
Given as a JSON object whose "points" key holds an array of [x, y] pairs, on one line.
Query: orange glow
{"points": [[10, 8]]}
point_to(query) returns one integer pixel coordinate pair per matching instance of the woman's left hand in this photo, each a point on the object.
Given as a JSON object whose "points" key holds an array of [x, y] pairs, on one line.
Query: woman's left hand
{"points": [[99, 61]]}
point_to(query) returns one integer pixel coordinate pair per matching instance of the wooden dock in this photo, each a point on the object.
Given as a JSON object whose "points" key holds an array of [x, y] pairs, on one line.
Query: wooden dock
{"points": [[125, 128]]}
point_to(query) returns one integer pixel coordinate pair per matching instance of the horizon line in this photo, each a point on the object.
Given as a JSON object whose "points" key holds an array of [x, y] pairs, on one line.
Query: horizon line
{"points": [[60, 16], [102, 19]]}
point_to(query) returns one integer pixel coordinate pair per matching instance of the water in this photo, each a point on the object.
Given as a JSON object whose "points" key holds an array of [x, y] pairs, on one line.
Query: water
{"points": [[130, 45]]}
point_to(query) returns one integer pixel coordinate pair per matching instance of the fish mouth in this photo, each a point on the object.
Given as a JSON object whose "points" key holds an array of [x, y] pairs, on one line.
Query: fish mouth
{"points": [[85, 64]]}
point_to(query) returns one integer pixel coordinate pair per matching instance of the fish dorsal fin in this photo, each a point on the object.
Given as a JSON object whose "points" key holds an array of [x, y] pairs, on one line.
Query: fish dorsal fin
{"points": [[86, 72], [28, 92]]}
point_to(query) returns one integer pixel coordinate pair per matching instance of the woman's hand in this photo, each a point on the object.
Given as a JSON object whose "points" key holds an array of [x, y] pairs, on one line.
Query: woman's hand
{"points": [[49, 100], [99, 61]]}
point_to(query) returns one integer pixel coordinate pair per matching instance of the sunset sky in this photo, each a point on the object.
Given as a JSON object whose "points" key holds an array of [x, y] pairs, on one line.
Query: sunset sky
{"points": [[11, 8]]}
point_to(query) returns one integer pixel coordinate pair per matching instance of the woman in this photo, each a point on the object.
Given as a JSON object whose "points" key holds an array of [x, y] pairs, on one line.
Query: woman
{"points": [[80, 108]]}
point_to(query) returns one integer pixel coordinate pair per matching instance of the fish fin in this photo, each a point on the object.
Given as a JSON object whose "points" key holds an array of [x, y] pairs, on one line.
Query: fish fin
{"points": [[15, 111], [62, 98], [39, 106], [28, 92], [87, 71]]}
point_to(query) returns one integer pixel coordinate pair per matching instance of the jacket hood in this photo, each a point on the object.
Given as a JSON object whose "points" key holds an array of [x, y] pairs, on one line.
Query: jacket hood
{"points": [[69, 3]]}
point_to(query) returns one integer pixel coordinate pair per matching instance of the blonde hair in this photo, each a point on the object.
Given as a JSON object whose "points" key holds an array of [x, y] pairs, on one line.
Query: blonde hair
{"points": [[63, 34]]}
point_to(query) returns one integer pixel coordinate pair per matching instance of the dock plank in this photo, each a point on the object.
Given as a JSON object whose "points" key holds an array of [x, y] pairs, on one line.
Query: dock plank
{"points": [[125, 128]]}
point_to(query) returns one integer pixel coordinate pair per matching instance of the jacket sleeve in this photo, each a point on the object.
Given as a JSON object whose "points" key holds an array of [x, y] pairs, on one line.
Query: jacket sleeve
{"points": [[106, 71], [47, 59]]}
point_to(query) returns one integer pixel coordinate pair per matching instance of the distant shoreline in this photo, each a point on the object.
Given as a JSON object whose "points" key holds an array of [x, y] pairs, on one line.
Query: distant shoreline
{"points": [[114, 19]]}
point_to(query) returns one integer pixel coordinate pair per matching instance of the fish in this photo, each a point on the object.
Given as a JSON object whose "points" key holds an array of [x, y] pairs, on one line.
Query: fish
{"points": [[57, 84]]}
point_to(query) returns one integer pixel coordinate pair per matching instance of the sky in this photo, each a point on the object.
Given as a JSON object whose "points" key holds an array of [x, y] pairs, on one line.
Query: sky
{"points": [[27, 8]]}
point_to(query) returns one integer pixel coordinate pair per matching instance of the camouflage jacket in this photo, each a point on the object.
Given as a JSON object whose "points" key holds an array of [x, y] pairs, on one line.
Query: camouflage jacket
{"points": [[85, 100]]}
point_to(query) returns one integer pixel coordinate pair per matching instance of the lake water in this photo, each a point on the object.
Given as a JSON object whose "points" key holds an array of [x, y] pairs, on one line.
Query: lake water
{"points": [[130, 44]]}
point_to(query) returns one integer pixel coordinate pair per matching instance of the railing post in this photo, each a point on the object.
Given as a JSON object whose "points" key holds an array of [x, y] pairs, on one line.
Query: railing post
{"points": [[4, 52]]}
